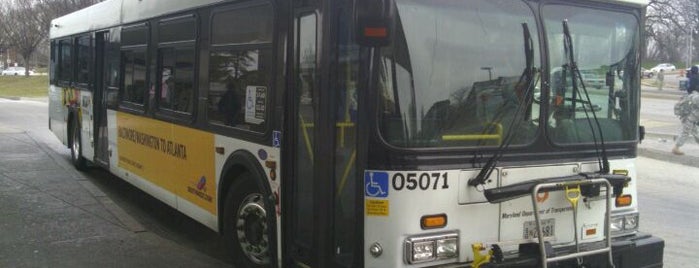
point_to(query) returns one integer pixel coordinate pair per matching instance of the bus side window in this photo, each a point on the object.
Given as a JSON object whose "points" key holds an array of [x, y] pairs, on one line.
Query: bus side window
{"points": [[65, 62], [134, 41], [176, 78], [53, 62], [176, 61], [134, 66], [83, 48], [240, 67]]}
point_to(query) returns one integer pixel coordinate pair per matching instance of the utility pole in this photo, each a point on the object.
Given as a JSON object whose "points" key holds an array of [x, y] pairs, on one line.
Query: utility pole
{"points": [[691, 43], [689, 47]]}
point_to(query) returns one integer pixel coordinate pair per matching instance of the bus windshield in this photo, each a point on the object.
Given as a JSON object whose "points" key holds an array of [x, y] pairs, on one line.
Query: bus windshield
{"points": [[453, 75], [605, 45]]}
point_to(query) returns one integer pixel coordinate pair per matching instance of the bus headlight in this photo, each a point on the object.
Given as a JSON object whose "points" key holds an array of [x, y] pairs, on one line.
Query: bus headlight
{"points": [[624, 223], [447, 248], [631, 222], [423, 251], [434, 247], [617, 224]]}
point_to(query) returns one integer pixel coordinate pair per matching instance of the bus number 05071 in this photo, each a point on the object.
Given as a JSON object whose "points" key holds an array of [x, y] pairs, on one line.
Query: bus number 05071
{"points": [[423, 181]]}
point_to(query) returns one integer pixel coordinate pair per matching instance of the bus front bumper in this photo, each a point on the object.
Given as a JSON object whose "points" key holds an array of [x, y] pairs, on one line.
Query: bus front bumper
{"points": [[638, 250], [634, 251]]}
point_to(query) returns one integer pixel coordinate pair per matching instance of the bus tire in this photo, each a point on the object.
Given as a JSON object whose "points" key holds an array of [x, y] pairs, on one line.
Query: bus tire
{"points": [[76, 151], [246, 226]]}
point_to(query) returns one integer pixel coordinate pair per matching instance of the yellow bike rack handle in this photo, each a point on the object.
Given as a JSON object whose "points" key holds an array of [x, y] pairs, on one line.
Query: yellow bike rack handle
{"points": [[573, 195], [478, 257]]}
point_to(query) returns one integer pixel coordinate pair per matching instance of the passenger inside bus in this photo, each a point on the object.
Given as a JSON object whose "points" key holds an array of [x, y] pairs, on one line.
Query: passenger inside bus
{"points": [[229, 105]]}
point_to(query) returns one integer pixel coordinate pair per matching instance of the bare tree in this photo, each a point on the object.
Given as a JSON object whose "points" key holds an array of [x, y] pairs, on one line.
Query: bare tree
{"points": [[669, 23], [3, 45], [25, 24], [20, 28]]}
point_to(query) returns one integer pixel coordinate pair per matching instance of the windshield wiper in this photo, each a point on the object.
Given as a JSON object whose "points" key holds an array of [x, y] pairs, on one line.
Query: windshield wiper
{"points": [[575, 73], [517, 190], [527, 78]]}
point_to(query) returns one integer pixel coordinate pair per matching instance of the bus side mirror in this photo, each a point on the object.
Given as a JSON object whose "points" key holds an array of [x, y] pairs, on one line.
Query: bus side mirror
{"points": [[641, 133], [372, 21], [609, 79]]}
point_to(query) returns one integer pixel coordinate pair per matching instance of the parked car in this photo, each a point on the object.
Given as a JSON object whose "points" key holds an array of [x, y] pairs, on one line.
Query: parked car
{"points": [[592, 79], [645, 73], [666, 67], [16, 71]]}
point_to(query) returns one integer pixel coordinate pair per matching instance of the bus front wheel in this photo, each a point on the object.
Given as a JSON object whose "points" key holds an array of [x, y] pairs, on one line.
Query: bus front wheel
{"points": [[246, 224], [76, 153]]}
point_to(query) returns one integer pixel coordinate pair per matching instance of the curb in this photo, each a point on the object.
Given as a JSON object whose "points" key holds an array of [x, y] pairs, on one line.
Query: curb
{"points": [[666, 155], [38, 99], [659, 95], [667, 136], [10, 98]]}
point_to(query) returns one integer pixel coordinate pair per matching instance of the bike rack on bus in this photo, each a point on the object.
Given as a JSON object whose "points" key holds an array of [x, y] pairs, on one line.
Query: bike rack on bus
{"points": [[614, 184], [566, 186]]}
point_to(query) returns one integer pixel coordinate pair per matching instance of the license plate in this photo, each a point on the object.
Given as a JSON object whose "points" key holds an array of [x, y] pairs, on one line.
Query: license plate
{"points": [[548, 227]]}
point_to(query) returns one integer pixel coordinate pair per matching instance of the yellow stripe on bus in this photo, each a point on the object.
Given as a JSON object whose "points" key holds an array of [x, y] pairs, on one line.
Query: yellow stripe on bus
{"points": [[176, 158]]}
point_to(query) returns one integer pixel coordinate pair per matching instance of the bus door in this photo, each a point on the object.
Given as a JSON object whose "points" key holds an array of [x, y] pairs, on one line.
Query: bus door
{"points": [[300, 246], [321, 229], [82, 83], [101, 85]]}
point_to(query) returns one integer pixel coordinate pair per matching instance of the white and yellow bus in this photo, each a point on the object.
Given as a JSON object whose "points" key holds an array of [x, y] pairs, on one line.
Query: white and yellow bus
{"points": [[369, 133]]}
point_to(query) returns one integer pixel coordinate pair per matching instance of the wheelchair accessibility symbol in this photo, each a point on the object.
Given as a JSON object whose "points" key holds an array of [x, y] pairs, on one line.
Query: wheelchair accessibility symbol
{"points": [[375, 184]]}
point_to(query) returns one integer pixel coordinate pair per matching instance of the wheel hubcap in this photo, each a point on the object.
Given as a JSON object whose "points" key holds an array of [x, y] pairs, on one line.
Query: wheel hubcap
{"points": [[251, 229]]}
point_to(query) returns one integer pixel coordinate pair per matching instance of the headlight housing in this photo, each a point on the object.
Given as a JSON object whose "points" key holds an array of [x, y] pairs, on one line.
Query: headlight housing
{"points": [[623, 223], [434, 247]]}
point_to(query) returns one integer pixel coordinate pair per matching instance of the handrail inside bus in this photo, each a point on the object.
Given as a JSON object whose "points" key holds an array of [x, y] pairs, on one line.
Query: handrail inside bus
{"points": [[341, 125], [306, 138], [475, 137], [309, 147], [345, 174]]}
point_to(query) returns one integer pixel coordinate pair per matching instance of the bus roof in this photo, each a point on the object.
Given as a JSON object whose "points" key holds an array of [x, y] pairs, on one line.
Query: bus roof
{"points": [[117, 12], [639, 3]]}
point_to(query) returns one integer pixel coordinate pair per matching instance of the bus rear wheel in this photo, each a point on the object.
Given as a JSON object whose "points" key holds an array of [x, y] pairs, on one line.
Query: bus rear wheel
{"points": [[76, 153], [246, 224]]}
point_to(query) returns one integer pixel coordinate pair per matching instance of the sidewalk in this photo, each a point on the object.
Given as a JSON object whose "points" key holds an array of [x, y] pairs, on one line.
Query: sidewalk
{"points": [[660, 138], [52, 216]]}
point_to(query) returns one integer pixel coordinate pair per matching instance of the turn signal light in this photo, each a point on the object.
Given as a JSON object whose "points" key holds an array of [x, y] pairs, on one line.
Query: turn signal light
{"points": [[590, 232], [375, 32], [623, 201], [433, 221]]}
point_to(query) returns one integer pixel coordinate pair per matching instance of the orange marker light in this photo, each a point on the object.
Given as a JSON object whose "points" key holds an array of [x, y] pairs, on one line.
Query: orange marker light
{"points": [[433, 221], [590, 232], [375, 32], [623, 201]]}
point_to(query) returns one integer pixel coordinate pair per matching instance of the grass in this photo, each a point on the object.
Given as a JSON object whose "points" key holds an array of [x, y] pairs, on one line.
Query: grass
{"points": [[23, 86]]}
